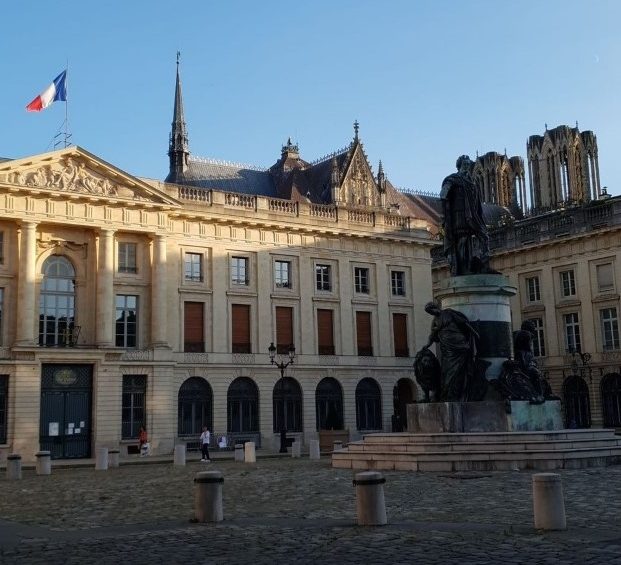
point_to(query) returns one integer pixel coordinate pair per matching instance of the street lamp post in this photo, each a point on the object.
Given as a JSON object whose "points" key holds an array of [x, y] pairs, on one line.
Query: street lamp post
{"points": [[282, 366]]}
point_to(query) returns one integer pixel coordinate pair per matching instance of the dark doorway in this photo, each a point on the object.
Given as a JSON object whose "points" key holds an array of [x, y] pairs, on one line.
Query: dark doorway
{"points": [[329, 405], [194, 407], [368, 405], [243, 406], [577, 403], [65, 423], [403, 394], [611, 400]]}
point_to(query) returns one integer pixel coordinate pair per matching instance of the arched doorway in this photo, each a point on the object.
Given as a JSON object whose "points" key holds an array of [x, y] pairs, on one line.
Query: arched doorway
{"points": [[368, 405], [195, 408], [329, 405], [611, 400], [403, 394], [57, 302], [242, 406], [577, 402], [287, 405]]}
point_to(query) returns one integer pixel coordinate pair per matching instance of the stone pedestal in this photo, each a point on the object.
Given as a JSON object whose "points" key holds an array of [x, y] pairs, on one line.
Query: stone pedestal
{"points": [[44, 463], [113, 457], [296, 449], [208, 496], [101, 461], [179, 455], [484, 299], [485, 416], [548, 502], [14, 467], [313, 452], [370, 503], [239, 452]]}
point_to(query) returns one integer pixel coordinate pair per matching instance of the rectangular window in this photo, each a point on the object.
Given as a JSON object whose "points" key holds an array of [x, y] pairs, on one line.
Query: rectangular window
{"points": [[605, 277], [532, 289], [568, 283], [539, 344], [610, 328], [325, 332], [193, 327], [133, 405], [240, 328], [127, 258], [572, 332], [363, 334], [284, 329], [282, 274], [239, 271], [361, 280], [322, 278], [397, 283], [126, 320], [4, 406], [193, 267], [400, 334]]}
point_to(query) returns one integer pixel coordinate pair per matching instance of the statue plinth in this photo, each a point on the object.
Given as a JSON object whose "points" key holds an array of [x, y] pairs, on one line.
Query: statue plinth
{"points": [[484, 416], [485, 300]]}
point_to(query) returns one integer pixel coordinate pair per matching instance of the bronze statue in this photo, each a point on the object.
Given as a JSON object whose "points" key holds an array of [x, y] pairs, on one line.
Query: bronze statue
{"points": [[462, 372], [428, 374], [466, 242]]}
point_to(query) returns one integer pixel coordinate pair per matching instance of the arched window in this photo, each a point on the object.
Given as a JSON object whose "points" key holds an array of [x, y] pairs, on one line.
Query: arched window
{"points": [[57, 302], [329, 405], [611, 400], [287, 405], [368, 405], [577, 403], [403, 394], [242, 406], [195, 407]]}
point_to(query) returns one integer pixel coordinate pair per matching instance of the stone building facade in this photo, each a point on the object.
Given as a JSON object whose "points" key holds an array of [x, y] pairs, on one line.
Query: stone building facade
{"points": [[129, 302]]}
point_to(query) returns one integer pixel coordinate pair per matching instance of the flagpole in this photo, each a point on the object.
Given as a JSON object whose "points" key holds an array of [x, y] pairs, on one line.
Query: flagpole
{"points": [[67, 105]]}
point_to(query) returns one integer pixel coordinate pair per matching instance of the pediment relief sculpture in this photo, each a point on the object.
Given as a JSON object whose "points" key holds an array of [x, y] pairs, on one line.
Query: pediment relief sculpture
{"points": [[71, 175]]}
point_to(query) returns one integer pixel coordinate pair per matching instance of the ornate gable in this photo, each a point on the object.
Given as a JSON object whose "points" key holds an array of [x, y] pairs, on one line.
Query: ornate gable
{"points": [[358, 185], [74, 170]]}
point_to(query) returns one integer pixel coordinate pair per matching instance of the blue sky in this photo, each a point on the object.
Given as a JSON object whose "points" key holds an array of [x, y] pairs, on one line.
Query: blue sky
{"points": [[427, 80]]}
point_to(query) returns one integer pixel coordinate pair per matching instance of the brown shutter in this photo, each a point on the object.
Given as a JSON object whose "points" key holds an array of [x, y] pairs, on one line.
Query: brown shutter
{"points": [[363, 333], [284, 328], [325, 332], [240, 320], [193, 327], [400, 333]]}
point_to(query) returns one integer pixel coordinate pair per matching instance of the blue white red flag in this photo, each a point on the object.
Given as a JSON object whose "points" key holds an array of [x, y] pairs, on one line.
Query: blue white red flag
{"points": [[55, 91]]}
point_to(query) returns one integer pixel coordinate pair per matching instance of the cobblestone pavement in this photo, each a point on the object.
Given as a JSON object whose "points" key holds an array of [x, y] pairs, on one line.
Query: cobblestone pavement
{"points": [[296, 510]]}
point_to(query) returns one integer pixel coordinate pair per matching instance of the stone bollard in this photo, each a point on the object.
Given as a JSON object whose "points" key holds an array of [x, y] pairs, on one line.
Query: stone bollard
{"points": [[239, 452], [14, 467], [101, 462], [338, 445], [208, 496], [370, 504], [113, 457], [314, 452], [296, 449], [548, 503], [44, 463], [179, 456], [250, 455]]}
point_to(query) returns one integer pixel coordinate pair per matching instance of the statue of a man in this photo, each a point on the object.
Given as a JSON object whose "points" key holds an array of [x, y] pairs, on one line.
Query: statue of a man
{"points": [[466, 242], [525, 358], [462, 373]]}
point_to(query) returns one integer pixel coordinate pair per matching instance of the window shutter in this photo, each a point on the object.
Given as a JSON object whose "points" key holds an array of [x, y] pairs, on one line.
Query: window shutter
{"points": [[363, 333], [605, 280], [284, 328], [400, 333], [325, 332], [240, 339], [194, 337]]}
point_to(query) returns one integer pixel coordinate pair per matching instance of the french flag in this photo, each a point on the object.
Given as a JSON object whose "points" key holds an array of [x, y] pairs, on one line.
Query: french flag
{"points": [[55, 91]]}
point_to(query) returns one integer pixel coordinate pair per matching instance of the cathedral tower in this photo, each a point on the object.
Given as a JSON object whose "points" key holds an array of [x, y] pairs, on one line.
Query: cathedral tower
{"points": [[178, 150]]}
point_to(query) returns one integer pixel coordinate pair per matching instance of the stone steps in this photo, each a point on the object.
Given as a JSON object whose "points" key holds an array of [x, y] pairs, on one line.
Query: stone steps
{"points": [[565, 449]]}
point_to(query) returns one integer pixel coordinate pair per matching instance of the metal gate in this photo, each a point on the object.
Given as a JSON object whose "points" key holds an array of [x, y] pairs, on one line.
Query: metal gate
{"points": [[65, 423]]}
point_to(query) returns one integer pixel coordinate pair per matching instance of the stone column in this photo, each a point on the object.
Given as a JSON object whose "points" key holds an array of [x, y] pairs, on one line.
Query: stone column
{"points": [[26, 285], [105, 290], [158, 293]]}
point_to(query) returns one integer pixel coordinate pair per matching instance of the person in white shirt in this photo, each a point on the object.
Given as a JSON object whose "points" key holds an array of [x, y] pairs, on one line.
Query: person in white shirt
{"points": [[205, 439]]}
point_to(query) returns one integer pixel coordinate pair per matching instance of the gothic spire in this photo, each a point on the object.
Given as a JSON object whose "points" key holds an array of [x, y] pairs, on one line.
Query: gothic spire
{"points": [[178, 150], [381, 177]]}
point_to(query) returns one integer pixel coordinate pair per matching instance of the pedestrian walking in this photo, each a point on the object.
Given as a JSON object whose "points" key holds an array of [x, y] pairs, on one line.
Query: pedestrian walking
{"points": [[143, 442], [205, 438]]}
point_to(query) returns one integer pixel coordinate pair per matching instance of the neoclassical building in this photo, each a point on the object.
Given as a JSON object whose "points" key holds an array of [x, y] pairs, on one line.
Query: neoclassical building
{"points": [[128, 301]]}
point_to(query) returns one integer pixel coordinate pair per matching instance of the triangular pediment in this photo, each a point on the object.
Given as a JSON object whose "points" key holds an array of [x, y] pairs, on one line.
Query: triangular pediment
{"points": [[76, 171], [358, 185]]}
